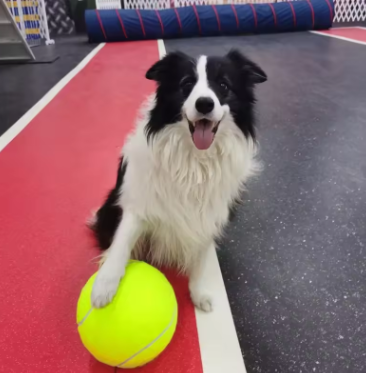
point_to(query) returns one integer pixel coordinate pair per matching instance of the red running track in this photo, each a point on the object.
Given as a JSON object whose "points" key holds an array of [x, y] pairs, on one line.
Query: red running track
{"points": [[52, 175]]}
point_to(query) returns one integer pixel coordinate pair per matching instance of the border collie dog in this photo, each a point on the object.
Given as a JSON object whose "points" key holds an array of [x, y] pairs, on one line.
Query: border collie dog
{"points": [[181, 171]]}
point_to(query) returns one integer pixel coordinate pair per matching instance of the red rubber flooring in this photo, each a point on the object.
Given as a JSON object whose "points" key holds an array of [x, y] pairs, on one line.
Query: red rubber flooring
{"points": [[352, 33], [52, 175]]}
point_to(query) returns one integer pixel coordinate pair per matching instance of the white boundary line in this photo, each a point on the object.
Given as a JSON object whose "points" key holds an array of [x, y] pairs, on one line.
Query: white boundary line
{"points": [[220, 350], [338, 37], [345, 27], [23, 122], [161, 48]]}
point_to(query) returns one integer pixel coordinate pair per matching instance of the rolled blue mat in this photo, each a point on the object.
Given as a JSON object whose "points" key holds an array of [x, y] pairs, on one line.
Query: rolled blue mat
{"points": [[208, 20]]}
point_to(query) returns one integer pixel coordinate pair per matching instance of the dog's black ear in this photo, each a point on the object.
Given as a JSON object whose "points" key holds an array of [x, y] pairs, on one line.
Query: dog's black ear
{"points": [[168, 64], [254, 73], [153, 72]]}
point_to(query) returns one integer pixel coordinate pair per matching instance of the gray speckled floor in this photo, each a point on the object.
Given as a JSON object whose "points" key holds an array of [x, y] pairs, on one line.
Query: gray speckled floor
{"points": [[294, 260]]}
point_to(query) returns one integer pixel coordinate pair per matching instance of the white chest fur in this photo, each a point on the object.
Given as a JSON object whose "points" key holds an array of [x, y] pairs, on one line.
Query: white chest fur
{"points": [[183, 194]]}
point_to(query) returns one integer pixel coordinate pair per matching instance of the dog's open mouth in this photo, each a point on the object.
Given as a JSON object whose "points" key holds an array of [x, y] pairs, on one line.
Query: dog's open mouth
{"points": [[203, 133]]}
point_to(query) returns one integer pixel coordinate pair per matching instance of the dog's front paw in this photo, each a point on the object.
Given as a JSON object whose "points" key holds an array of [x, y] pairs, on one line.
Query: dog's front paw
{"points": [[202, 300], [104, 289]]}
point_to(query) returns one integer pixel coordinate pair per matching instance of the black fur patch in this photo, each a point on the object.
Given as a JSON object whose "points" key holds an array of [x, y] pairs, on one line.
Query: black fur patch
{"points": [[110, 214], [176, 76], [232, 78]]}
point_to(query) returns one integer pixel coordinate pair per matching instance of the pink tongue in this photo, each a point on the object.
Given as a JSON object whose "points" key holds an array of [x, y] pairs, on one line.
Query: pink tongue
{"points": [[202, 136]]}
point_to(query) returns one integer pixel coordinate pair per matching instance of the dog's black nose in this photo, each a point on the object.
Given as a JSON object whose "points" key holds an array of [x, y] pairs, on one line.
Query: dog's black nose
{"points": [[204, 105]]}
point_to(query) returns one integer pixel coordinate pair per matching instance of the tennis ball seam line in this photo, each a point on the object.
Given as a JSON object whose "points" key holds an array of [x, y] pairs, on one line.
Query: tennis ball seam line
{"points": [[151, 343], [85, 317]]}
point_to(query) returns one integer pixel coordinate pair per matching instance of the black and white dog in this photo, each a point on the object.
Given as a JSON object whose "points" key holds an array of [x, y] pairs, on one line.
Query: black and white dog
{"points": [[181, 170]]}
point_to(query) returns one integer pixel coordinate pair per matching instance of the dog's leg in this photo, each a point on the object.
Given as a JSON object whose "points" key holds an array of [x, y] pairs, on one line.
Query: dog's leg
{"points": [[200, 297], [113, 269]]}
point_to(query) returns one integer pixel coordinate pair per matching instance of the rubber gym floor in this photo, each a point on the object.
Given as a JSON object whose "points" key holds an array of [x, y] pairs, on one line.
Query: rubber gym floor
{"points": [[293, 261]]}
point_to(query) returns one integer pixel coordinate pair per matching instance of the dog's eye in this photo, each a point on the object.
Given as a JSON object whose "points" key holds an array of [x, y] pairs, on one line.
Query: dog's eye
{"points": [[224, 86], [187, 83]]}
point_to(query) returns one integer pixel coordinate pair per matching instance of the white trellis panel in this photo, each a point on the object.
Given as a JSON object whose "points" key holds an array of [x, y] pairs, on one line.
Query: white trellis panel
{"points": [[147, 4], [108, 4], [350, 10]]}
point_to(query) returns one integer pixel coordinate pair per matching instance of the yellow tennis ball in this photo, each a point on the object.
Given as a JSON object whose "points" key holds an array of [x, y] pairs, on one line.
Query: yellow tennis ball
{"points": [[137, 325]]}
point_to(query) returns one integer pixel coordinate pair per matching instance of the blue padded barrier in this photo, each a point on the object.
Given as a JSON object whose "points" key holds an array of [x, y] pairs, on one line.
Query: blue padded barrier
{"points": [[208, 20]]}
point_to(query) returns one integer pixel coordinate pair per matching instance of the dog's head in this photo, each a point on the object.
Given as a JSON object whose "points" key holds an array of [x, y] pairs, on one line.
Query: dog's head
{"points": [[205, 94]]}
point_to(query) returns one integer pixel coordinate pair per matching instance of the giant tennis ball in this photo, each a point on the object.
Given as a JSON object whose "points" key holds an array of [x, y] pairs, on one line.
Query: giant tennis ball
{"points": [[137, 325]]}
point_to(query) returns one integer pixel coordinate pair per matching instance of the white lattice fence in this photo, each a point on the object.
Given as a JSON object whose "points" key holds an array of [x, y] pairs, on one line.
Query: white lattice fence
{"points": [[178, 3], [164, 4], [350, 10], [108, 4], [148, 4], [345, 10]]}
